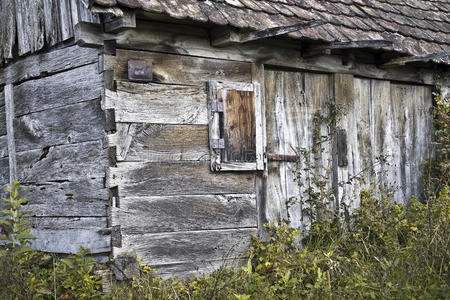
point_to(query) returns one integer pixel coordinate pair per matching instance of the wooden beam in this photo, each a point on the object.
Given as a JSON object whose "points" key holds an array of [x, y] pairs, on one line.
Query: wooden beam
{"points": [[9, 109], [424, 58], [326, 48], [221, 38], [118, 24]]}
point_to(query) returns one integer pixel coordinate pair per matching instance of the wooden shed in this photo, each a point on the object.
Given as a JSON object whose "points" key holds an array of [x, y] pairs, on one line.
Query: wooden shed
{"points": [[170, 128]]}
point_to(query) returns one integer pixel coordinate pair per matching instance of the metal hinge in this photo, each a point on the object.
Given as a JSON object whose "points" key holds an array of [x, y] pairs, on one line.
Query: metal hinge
{"points": [[216, 106], [218, 144]]}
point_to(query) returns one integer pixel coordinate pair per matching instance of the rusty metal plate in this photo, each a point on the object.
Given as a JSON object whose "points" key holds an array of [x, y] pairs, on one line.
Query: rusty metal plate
{"points": [[281, 157], [139, 70]]}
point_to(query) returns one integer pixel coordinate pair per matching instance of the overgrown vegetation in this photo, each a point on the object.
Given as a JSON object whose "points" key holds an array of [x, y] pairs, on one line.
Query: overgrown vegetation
{"points": [[382, 250]]}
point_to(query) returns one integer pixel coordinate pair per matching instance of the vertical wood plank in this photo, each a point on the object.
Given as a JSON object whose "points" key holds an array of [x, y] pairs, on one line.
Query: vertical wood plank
{"points": [[258, 82], [7, 28], [65, 20], [23, 32], [9, 109]]}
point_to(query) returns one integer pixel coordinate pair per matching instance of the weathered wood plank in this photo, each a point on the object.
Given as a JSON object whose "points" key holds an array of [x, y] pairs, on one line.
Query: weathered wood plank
{"points": [[239, 126], [77, 85], [3, 147], [155, 103], [416, 58], [68, 223], [65, 17], [51, 22], [238, 37], [2, 119], [137, 179], [180, 39], [7, 28], [60, 163], [117, 24], [292, 99], [70, 240], [187, 247], [48, 63], [70, 124], [9, 110], [156, 142], [23, 27], [183, 213], [180, 69], [189, 270]]}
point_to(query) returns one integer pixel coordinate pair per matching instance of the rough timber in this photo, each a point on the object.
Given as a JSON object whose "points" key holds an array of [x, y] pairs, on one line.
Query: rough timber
{"points": [[119, 166]]}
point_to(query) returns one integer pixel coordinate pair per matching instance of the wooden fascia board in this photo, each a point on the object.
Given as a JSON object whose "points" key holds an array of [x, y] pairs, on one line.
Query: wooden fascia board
{"points": [[416, 58], [222, 38]]}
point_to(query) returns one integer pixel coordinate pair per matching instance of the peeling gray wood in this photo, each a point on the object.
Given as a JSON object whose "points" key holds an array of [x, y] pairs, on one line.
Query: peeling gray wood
{"points": [[180, 69], [65, 17], [158, 142], [61, 163], [117, 24], [3, 146], [7, 28], [197, 247], [51, 22], [292, 98], [155, 103], [68, 222], [69, 241], [137, 179], [182, 213], [9, 109], [70, 124], [77, 85], [47, 63]]}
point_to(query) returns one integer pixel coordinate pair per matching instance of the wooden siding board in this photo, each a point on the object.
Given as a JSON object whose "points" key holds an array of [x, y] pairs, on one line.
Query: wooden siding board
{"points": [[196, 247], [179, 69], [48, 63], [70, 124], [182, 213], [155, 103], [137, 179], [76, 85], [70, 240], [292, 98], [7, 28], [160, 142], [60, 163]]}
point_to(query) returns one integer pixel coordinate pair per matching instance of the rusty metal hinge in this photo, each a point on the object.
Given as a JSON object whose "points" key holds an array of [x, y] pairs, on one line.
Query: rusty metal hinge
{"points": [[216, 106], [281, 157], [139, 70], [217, 144]]}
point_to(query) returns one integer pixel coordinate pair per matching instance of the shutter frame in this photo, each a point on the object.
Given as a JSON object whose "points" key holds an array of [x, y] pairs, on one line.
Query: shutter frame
{"points": [[218, 90]]}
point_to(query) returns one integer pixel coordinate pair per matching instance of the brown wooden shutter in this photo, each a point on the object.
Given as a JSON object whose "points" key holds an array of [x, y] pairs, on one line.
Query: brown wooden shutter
{"points": [[235, 126]]}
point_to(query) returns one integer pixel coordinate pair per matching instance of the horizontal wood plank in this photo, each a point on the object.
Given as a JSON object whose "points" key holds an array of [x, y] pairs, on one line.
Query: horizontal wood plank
{"points": [[75, 123], [68, 222], [3, 146], [180, 69], [60, 164], [77, 85], [155, 103], [181, 213], [187, 247], [70, 240], [48, 63], [157, 142], [137, 179]]}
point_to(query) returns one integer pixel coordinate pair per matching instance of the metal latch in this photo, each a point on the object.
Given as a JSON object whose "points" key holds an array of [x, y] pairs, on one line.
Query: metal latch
{"points": [[281, 157], [217, 144], [216, 106], [139, 70]]}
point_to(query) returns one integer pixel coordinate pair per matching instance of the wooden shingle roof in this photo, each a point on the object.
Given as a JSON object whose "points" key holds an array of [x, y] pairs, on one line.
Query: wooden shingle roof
{"points": [[416, 27]]}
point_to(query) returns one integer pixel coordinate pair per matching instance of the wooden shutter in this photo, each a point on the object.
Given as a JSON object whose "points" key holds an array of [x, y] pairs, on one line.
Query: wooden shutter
{"points": [[235, 126]]}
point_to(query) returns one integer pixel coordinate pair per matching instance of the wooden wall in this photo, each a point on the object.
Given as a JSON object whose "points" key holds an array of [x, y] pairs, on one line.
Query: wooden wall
{"points": [[29, 26], [169, 206], [58, 132]]}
